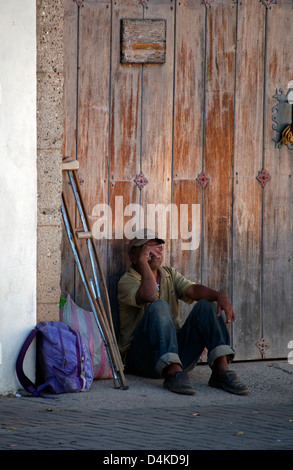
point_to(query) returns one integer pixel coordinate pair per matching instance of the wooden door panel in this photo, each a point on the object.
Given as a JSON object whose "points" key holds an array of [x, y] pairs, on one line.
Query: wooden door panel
{"points": [[93, 114], [189, 90], [186, 252], [124, 204], [188, 130], [125, 101], [157, 120], [218, 150], [208, 108], [278, 200], [248, 156]]}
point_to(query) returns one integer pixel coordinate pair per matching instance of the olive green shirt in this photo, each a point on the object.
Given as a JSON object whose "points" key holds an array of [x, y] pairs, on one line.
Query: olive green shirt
{"points": [[173, 287]]}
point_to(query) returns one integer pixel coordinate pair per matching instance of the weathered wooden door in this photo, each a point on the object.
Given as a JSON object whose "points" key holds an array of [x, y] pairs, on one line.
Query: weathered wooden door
{"points": [[193, 131]]}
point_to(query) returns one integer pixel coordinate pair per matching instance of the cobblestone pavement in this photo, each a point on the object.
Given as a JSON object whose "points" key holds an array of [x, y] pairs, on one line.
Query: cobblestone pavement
{"points": [[148, 417]]}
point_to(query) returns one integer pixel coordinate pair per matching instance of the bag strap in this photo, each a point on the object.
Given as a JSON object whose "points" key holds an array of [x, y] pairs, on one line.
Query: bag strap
{"points": [[23, 379]]}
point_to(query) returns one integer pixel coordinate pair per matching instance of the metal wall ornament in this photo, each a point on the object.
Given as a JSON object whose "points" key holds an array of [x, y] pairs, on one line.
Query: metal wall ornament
{"points": [[263, 177], [262, 345], [266, 3], [203, 179], [140, 181]]}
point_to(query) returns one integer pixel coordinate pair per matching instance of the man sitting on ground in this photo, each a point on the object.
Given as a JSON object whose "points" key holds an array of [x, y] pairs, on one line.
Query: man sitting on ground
{"points": [[151, 341]]}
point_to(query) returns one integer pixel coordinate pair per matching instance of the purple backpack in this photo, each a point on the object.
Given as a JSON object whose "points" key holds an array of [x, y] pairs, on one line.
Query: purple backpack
{"points": [[63, 362]]}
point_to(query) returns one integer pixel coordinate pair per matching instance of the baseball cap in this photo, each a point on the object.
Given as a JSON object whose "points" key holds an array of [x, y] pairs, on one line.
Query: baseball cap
{"points": [[142, 236]]}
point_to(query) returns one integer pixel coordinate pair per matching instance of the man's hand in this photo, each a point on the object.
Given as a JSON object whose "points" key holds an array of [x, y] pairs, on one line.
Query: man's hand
{"points": [[144, 252], [198, 292], [223, 303]]}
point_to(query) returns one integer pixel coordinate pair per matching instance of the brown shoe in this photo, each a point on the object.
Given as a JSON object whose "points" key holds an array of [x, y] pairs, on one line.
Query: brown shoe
{"points": [[179, 383], [228, 382]]}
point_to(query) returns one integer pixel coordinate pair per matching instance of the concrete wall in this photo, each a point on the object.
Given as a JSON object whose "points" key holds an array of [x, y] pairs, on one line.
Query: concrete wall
{"points": [[31, 132], [18, 188], [49, 155]]}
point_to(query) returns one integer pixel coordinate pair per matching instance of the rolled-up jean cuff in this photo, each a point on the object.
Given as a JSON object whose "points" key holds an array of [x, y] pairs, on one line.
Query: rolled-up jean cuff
{"points": [[218, 351], [165, 360]]}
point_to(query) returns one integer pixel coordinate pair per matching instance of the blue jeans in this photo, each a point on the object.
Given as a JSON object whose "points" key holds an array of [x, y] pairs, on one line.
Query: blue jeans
{"points": [[156, 343]]}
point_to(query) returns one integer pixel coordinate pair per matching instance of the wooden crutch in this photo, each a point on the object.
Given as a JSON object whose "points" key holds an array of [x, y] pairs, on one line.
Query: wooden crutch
{"points": [[102, 314]]}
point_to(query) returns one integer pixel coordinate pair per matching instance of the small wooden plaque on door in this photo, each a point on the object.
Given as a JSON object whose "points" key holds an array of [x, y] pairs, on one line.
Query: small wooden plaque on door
{"points": [[143, 41]]}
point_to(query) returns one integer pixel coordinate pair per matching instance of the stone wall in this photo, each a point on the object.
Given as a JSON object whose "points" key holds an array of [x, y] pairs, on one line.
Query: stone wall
{"points": [[49, 155]]}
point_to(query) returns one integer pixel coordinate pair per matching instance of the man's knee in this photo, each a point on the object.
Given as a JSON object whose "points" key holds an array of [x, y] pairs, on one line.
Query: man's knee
{"points": [[159, 306], [159, 309], [205, 305], [204, 308]]}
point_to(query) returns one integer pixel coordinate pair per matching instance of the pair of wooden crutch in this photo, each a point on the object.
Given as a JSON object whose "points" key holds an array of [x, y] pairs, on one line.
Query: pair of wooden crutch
{"points": [[100, 307]]}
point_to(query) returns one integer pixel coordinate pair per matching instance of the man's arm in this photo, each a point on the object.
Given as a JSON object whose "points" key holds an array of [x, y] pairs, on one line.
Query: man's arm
{"points": [[147, 291], [199, 292]]}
